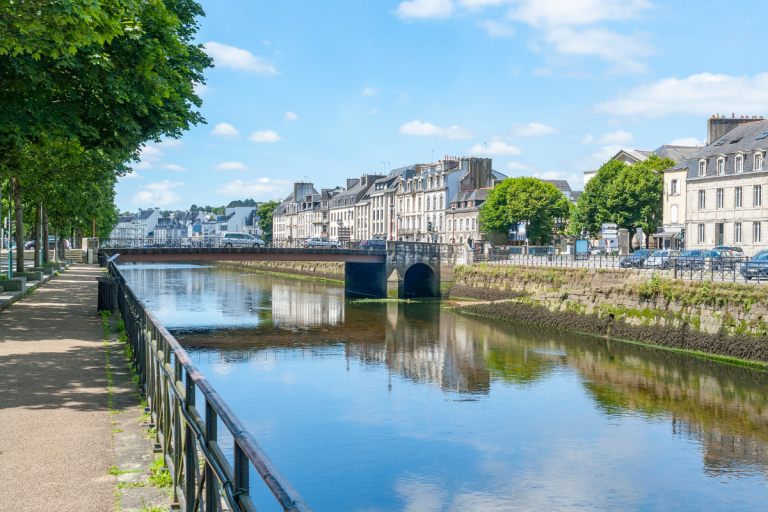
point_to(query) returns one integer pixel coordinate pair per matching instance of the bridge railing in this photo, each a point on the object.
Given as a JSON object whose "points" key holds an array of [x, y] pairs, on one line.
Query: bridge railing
{"points": [[213, 242], [204, 479]]}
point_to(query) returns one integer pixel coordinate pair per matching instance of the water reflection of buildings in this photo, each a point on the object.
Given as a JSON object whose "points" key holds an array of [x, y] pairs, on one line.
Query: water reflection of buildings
{"points": [[298, 304]]}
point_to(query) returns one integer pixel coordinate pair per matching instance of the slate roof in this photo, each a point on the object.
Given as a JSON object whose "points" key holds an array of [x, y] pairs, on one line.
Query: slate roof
{"points": [[560, 184], [743, 138], [126, 218], [144, 215], [479, 194]]}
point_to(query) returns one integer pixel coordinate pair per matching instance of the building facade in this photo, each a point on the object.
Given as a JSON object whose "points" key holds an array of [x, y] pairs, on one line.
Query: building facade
{"points": [[725, 182]]}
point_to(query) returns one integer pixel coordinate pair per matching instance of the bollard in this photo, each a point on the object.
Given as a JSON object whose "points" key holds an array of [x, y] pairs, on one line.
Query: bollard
{"points": [[107, 294]]}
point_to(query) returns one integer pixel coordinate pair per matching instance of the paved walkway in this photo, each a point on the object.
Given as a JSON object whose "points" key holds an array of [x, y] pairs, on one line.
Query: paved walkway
{"points": [[55, 443]]}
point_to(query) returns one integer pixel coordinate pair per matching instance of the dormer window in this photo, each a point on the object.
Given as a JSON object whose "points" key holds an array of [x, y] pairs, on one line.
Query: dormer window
{"points": [[739, 163], [721, 165], [758, 161], [702, 167]]}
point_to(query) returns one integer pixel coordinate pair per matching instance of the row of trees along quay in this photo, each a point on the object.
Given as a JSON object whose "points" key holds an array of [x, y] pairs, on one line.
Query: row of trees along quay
{"points": [[83, 85], [628, 195]]}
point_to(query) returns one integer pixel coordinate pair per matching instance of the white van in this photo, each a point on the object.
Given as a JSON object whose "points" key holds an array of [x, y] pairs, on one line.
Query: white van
{"points": [[239, 240]]}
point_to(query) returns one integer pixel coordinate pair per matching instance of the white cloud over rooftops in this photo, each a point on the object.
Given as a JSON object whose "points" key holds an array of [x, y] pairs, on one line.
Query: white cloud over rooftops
{"points": [[532, 129], [260, 189], [230, 166], [418, 128], [158, 193], [701, 94], [494, 148]]}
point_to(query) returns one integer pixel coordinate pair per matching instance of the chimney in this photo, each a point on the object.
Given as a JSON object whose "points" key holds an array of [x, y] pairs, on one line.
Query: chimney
{"points": [[719, 126], [351, 182]]}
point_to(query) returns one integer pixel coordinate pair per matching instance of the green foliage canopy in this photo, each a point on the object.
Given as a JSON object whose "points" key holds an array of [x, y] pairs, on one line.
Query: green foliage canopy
{"points": [[524, 199], [265, 217]]}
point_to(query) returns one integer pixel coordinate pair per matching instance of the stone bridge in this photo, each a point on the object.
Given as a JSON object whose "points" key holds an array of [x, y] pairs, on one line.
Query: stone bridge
{"points": [[404, 269]]}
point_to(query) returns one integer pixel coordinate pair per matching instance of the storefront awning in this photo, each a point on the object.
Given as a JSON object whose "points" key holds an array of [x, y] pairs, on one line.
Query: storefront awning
{"points": [[667, 234]]}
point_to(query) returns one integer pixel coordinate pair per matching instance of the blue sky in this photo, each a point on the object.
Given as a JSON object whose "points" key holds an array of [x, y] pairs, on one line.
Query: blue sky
{"points": [[328, 90]]}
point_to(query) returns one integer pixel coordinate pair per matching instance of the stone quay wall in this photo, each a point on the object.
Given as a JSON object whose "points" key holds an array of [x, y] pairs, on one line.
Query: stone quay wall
{"points": [[321, 270], [726, 319]]}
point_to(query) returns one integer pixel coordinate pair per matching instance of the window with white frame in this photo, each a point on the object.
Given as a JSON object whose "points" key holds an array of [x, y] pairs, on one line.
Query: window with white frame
{"points": [[721, 165], [758, 195], [737, 232], [701, 233], [739, 163], [702, 167], [737, 197], [673, 188], [674, 214], [758, 161], [720, 195], [756, 232], [702, 199]]}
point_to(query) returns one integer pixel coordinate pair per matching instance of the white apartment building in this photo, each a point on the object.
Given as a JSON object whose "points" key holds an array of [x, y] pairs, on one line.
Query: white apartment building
{"points": [[285, 220], [341, 209], [383, 215], [123, 229], [143, 224], [724, 187]]}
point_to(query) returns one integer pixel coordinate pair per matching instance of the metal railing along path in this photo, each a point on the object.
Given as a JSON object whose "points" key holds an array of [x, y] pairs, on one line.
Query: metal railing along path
{"points": [[203, 478]]}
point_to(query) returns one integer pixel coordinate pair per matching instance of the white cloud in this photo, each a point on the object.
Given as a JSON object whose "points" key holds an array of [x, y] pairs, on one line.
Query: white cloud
{"points": [[425, 9], [225, 131], [587, 139], [416, 127], [158, 194], [171, 143], [290, 116], [368, 91], [265, 136], [702, 94], [617, 137], [575, 180], [266, 42], [496, 29], [199, 89], [263, 188], [621, 50], [548, 13], [230, 166], [495, 148], [606, 153], [150, 153], [532, 129], [373, 111], [131, 175], [687, 141], [236, 58], [517, 166], [478, 4], [172, 167]]}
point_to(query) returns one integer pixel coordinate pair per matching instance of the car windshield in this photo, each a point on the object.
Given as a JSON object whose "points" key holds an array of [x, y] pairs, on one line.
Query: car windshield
{"points": [[660, 253], [692, 253], [642, 252], [711, 254], [761, 256]]}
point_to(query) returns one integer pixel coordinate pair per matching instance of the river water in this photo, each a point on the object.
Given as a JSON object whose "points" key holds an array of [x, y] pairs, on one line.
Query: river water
{"points": [[372, 406]]}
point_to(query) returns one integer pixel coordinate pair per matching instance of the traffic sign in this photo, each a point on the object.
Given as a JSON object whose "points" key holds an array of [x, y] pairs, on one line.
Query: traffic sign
{"points": [[610, 225]]}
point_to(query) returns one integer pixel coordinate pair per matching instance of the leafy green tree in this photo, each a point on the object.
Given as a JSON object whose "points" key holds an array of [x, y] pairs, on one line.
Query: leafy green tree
{"points": [[629, 195], [265, 217], [524, 199]]}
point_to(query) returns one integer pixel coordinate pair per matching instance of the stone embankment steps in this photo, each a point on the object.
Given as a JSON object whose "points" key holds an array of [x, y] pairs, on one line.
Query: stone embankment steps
{"points": [[56, 443]]}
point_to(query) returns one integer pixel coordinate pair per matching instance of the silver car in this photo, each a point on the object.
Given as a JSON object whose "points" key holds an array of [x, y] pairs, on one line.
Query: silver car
{"points": [[661, 259], [239, 240], [319, 241]]}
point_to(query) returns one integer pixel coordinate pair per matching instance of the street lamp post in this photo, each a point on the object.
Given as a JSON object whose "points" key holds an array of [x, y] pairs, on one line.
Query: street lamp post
{"points": [[391, 219], [453, 225]]}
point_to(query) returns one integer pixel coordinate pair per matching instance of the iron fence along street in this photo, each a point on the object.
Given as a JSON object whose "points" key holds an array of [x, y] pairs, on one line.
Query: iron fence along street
{"points": [[186, 432]]}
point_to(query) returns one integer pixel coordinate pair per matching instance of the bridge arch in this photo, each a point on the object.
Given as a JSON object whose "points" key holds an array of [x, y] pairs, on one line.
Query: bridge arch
{"points": [[421, 280]]}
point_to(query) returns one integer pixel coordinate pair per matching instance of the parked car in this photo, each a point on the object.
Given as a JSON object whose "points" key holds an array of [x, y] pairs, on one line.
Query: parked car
{"points": [[373, 243], [51, 244], [228, 239], [319, 241], [720, 259], [690, 259], [735, 251], [756, 267], [661, 259], [636, 259]]}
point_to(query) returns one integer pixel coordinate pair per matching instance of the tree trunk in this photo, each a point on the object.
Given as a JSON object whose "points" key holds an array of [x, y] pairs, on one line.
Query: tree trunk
{"points": [[79, 238], [62, 251], [19, 212], [38, 241], [46, 250]]}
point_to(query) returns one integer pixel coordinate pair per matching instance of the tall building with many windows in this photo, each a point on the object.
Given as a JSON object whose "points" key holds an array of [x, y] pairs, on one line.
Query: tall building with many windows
{"points": [[724, 188]]}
